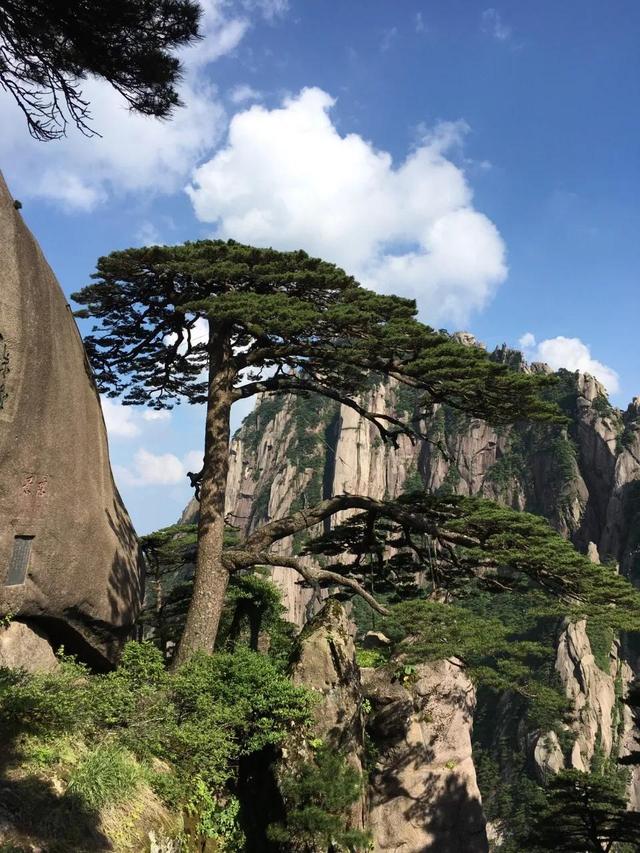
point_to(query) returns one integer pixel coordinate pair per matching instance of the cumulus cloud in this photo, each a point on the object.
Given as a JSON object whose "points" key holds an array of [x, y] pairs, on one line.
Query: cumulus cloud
{"points": [[157, 469], [286, 177], [135, 153], [127, 421], [119, 420], [572, 354]]}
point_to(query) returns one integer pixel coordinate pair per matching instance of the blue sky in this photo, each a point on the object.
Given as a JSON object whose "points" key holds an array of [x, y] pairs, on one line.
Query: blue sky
{"points": [[481, 158]]}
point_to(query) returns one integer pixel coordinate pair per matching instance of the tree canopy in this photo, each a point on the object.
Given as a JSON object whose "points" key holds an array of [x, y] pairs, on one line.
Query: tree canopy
{"points": [[214, 322], [585, 812], [302, 319], [47, 47]]}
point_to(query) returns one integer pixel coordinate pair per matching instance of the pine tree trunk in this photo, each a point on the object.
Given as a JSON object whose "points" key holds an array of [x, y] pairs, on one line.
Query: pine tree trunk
{"points": [[211, 577]]}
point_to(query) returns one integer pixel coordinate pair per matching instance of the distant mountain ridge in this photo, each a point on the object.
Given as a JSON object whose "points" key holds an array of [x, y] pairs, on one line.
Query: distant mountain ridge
{"points": [[584, 478]]}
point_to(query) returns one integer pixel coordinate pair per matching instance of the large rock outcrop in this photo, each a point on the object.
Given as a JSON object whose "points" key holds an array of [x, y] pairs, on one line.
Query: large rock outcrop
{"points": [[24, 647], [68, 552], [423, 790], [324, 661], [601, 724], [585, 479]]}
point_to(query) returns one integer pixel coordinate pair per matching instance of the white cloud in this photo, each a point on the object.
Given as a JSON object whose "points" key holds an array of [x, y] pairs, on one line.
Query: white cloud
{"points": [[242, 93], [158, 469], [156, 415], [493, 25], [128, 421], [287, 178], [527, 340], [420, 25], [162, 469], [119, 419], [572, 354], [135, 153], [221, 34]]}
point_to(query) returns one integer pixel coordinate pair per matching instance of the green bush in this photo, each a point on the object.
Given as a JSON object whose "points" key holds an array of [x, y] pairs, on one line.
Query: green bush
{"points": [[371, 658], [184, 732]]}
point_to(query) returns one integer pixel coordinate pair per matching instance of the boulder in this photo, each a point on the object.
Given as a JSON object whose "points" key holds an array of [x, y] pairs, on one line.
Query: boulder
{"points": [[375, 640], [69, 560], [423, 789], [26, 648]]}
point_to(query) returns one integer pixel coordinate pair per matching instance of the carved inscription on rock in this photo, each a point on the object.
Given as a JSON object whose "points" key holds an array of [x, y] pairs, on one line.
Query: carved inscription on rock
{"points": [[4, 371], [33, 492]]}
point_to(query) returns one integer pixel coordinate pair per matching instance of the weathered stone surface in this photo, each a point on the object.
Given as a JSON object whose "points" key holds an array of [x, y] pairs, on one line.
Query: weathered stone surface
{"points": [[324, 661], [423, 791], [27, 648], [82, 581]]}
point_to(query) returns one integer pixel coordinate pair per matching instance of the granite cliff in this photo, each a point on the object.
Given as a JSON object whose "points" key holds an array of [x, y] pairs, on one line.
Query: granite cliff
{"points": [[68, 551], [585, 478]]}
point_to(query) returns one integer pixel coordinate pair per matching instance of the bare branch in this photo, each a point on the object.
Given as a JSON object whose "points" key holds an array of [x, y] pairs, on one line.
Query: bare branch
{"points": [[236, 559]]}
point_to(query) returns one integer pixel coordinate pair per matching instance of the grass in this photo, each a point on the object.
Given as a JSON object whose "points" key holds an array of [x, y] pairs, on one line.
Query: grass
{"points": [[105, 776]]}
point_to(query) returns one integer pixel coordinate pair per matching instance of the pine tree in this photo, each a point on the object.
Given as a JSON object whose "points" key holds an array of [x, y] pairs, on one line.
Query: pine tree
{"points": [[280, 322], [48, 46], [585, 813]]}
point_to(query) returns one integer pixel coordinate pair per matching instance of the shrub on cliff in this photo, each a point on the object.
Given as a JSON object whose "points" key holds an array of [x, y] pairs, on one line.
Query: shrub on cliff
{"points": [[182, 733]]}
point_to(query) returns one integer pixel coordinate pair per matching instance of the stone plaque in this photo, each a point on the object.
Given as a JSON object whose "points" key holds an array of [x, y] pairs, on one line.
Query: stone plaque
{"points": [[19, 561]]}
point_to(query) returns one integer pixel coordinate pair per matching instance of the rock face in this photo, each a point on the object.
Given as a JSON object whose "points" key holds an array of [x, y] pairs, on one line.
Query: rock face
{"points": [[423, 790], [68, 552], [422, 793], [602, 725], [325, 662], [584, 479], [26, 648]]}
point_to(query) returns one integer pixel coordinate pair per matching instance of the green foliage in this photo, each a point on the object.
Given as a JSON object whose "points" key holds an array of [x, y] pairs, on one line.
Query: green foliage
{"points": [[281, 309], [371, 658], [47, 49], [601, 636], [6, 620], [218, 819], [490, 651], [311, 326], [510, 801], [252, 610], [584, 812], [105, 775], [199, 722], [457, 540], [317, 795], [413, 482]]}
